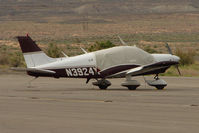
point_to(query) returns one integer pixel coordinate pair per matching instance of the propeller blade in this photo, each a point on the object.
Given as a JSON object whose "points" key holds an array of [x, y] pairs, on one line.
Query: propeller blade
{"points": [[178, 70], [169, 49], [170, 52]]}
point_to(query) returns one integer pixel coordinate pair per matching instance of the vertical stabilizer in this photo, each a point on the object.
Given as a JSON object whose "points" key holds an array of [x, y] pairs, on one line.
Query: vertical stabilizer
{"points": [[33, 55]]}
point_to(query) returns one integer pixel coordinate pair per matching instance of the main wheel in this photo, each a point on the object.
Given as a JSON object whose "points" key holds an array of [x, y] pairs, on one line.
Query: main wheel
{"points": [[103, 87], [160, 87], [132, 87]]}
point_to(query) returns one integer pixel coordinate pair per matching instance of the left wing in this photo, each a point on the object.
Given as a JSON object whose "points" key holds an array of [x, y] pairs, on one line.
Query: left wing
{"points": [[145, 70], [154, 68]]}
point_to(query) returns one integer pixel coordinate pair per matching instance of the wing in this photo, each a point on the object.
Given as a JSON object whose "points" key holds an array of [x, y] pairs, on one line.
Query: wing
{"points": [[154, 68], [145, 70]]}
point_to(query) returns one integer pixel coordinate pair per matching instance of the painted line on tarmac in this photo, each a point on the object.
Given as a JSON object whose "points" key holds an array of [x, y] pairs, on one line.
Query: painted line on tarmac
{"points": [[54, 99], [68, 100]]}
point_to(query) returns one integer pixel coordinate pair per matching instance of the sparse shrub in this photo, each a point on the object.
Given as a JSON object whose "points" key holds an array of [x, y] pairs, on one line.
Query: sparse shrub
{"points": [[101, 45], [53, 51], [186, 57], [16, 59], [77, 40], [4, 60], [149, 49]]}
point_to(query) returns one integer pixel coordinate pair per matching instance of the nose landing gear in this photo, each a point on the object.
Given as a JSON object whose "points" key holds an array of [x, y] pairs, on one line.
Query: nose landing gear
{"points": [[157, 82]]}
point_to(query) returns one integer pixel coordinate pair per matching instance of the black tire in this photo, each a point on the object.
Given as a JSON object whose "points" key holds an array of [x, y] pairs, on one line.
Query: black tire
{"points": [[103, 87], [160, 87], [132, 87]]}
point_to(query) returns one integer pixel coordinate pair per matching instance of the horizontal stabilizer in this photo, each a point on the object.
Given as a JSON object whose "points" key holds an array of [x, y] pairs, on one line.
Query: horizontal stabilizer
{"points": [[34, 70], [22, 69]]}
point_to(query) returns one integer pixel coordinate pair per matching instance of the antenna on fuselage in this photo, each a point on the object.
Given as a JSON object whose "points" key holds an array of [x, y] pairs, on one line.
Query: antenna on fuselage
{"points": [[84, 50], [122, 42], [64, 54]]}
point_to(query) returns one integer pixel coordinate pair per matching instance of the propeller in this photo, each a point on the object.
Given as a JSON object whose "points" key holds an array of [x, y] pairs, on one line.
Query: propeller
{"points": [[169, 49], [170, 52]]}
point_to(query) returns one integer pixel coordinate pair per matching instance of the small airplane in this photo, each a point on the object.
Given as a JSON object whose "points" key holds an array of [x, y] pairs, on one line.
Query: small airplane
{"points": [[116, 62]]}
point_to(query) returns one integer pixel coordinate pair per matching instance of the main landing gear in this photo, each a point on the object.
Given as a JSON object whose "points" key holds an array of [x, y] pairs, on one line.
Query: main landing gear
{"points": [[130, 84], [157, 82], [103, 84]]}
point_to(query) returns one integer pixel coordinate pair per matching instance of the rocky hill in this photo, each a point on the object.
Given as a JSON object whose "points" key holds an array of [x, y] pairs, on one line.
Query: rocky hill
{"points": [[43, 9]]}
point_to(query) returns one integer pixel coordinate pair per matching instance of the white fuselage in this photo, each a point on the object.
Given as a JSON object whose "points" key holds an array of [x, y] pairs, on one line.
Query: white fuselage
{"points": [[85, 60], [108, 61]]}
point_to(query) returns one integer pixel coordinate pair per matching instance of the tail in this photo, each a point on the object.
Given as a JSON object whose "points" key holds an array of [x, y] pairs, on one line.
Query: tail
{"points": [[33, 55]]}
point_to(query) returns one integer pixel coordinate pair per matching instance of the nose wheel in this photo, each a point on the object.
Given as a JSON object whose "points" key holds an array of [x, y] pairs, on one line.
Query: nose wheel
{"points": [[160, 87], [158, 83]]}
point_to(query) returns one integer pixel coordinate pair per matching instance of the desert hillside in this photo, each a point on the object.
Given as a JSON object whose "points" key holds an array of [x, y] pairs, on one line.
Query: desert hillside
{"points": [[43, 10], [69, 24]]}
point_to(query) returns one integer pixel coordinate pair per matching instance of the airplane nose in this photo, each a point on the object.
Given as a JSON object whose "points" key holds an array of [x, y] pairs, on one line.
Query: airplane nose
{"points": [[176, 58]]}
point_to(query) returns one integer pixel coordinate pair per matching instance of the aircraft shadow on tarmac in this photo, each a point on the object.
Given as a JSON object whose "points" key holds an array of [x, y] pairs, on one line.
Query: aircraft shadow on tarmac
{"points": [[37, 89]]}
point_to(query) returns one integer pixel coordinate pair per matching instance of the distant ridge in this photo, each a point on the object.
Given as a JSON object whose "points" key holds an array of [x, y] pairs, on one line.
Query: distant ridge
{"points": [[29, 9]]}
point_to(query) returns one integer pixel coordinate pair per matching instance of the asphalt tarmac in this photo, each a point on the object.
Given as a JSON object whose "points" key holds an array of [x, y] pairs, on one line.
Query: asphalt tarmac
{"points": [[70, 106]]}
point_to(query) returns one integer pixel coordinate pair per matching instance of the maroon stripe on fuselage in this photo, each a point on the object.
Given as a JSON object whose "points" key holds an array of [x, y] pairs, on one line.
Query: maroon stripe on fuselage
{"points": [[116, 69], [89, 72]]}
